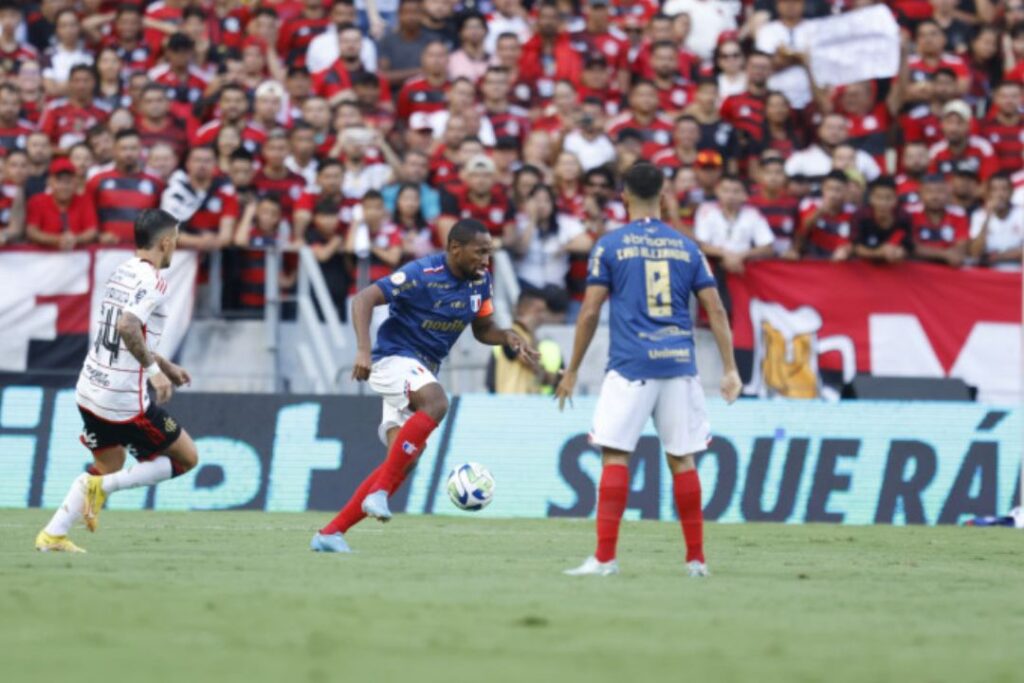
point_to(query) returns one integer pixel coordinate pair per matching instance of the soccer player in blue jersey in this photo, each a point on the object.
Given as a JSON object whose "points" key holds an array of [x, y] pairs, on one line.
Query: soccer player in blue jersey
{"points": [[648, 271], [432, 300]]}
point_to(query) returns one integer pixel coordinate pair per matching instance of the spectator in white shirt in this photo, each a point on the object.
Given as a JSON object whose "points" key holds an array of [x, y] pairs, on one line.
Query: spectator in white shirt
{"points": [[588, 140], [731, 232], [815, 161], [785, 39], [508, 17], [66, 52], [708, 19], [997, 229], [323, 50]]}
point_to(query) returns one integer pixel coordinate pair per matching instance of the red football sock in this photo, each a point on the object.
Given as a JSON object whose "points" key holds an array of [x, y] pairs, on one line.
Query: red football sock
{"points": [[611, 503], [353, 510], [686, 488], [408, 445]]}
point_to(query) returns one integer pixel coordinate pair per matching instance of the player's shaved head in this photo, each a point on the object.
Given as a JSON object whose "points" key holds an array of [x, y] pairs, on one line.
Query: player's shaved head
{"points": [[151, 225], [465, 231], [644, 181]]}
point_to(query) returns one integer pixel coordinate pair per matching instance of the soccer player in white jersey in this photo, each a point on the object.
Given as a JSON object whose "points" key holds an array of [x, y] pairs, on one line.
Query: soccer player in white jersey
{"points": [[648, 271], [112, 395]]}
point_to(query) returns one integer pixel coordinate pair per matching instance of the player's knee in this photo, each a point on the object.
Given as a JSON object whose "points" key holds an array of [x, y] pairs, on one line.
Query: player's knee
{"points": [[436, 407], [184, 455], [681, 463]]}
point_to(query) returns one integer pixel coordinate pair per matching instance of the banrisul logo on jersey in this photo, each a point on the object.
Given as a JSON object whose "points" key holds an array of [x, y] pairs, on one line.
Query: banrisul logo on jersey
{"points": [[856, 462]]}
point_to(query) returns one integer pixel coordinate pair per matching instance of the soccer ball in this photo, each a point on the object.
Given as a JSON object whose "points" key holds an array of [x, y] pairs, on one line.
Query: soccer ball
{"points": [[470, 486]]}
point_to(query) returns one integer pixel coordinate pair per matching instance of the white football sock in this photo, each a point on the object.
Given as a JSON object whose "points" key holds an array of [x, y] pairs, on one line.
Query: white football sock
{"points": [[142, 474], [70, 511]]}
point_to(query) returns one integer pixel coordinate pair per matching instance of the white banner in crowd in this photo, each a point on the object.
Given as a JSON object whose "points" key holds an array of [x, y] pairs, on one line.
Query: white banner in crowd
{"points": [[48, 297], [855, 46]]}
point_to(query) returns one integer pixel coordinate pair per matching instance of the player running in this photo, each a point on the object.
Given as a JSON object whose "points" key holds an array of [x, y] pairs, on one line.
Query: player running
{"points": [[649, 270], [432, 300], [111, 391]]}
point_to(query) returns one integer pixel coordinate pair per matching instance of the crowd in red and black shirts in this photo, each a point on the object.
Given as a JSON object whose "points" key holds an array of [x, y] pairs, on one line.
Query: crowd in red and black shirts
{"points": [[366, 133]]}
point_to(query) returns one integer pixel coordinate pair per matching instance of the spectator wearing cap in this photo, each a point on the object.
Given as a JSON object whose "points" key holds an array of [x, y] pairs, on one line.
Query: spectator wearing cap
{"points": [[548, 57], [66, 120], [596, 81], [731, 232], [1004, 125], [123, 192], [479, 197], [509, 122], [997, 229], [713, 17], [959, 146], [268, 109], [185, 82], [745, 111], [471, 59], [542, 239], [425, 95], [815, 161], [675, 92], [778, 207], [234, 111], [401, 47], [709, 168], [60, 218], [588, 140], [643, 116], [599, 36], [882, 229], [825, 222], [940, 229], [930, 56], [715, 132]]}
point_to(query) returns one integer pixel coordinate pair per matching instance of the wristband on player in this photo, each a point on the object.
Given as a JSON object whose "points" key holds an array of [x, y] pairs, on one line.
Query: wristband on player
{"points": [[152, 370]]}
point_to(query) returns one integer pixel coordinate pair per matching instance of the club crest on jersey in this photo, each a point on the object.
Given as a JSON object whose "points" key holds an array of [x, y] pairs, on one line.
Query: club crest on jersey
{"points": [[140, 295], [475, 301], [398, 278], [170, 425], [497, 215]]}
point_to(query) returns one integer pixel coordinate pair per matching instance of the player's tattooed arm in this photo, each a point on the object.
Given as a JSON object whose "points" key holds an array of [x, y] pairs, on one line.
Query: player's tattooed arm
{"points": [[130, 329]]}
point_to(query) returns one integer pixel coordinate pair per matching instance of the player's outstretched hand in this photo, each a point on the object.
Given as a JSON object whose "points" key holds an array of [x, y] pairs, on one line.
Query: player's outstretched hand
{"points": [[163, 388], [563, 392], [361, 369], [525, 351], [178, 375], [731, 386]]}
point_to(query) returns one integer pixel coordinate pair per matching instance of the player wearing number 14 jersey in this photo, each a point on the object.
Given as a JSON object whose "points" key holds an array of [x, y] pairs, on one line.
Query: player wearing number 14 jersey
{"points": [[648, 271], [112, 392]]}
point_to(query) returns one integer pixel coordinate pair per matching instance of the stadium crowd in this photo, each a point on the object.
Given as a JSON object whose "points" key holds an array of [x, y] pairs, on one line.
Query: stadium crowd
{"points": [[366, 128]]}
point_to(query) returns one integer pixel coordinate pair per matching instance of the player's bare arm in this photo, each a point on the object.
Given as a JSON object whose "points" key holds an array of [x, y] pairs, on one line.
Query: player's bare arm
{"points": [[130, 329], [586, 326], [487, 332], [362, 310], [178, 375], [731, 384]]}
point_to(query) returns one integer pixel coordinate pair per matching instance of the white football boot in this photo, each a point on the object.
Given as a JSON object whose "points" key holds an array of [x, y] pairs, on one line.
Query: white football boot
{"points": [[697, 569], [591, 567]]}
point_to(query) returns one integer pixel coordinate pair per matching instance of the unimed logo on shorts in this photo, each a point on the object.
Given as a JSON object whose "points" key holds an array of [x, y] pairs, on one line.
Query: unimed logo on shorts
{"points": [[859, 462]]}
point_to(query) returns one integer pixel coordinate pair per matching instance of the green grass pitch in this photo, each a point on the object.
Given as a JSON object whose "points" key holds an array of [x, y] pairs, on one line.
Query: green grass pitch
{"points": [[186, 597]]}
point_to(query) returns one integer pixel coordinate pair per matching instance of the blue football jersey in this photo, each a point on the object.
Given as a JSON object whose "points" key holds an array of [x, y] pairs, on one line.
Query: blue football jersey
{"points": [[429, 308], [650, 271]]}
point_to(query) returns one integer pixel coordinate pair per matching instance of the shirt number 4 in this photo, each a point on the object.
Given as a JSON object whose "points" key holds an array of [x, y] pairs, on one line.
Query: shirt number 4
{"points": [[659, 289]]}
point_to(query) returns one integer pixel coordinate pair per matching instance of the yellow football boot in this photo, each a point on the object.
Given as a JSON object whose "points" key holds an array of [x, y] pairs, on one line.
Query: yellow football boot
{"points": [[45, 543], [95, 497]]}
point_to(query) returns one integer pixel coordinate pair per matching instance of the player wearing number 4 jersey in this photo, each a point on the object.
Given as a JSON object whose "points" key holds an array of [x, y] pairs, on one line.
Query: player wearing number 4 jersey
{"points": [[648, 270], [112, 391]]}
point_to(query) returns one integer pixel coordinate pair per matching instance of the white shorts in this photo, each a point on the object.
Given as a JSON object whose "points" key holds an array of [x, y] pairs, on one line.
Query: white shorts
{"points": [[676, 404], [394, 378]]}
